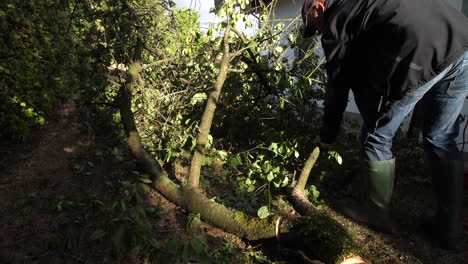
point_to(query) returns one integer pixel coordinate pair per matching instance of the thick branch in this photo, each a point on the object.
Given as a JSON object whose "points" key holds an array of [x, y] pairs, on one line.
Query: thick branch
{"points": [[207, 118], [155, 52], [296, 194], [152, 64], [309, 164]]}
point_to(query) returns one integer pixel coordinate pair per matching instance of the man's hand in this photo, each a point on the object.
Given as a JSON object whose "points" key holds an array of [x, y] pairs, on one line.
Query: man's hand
{"points": [[322, 146]]}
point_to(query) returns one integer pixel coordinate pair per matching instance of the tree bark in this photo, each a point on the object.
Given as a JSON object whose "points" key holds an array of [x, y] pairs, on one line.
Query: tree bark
{"points": [[208, 114], [309, 164], [296, 194]]}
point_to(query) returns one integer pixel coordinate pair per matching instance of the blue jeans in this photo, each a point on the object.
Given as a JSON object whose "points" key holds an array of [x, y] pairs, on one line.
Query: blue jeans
{"points": [[442, 100]]}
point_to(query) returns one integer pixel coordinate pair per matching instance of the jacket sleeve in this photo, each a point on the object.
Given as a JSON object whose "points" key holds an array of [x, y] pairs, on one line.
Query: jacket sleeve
{"points": [[337, 89]]}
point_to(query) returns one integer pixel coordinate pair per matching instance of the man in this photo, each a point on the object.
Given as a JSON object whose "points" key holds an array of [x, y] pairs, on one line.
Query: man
{"points": [[394, 53]]}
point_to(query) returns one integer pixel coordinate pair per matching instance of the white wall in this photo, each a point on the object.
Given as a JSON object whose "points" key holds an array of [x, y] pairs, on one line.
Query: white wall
{"points": [[456, 3]]}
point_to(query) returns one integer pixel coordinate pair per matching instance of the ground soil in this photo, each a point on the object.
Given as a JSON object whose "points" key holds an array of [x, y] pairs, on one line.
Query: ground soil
{"points": [[40, 171]]}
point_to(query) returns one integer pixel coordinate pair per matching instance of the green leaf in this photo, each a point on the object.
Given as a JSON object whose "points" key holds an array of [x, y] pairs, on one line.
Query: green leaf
{"points": [[263, 212], [98, 234], [146, 179], [336, 156], [222, 12], [207, 161], [173, 245], [274, 146], [198, 244], [20, 203], [270, 176], [193, 222], [120, 239], [314, 192], [198, 97], [296, 154], [187, 253], [234, 161], [266, 167], [152, 211], [285, 181], [222, 154]]}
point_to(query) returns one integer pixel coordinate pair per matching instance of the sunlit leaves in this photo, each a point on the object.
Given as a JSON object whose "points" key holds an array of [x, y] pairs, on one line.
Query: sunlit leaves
{"points": [[198, 97], [335, 156], [36, 72], [263, 212]]}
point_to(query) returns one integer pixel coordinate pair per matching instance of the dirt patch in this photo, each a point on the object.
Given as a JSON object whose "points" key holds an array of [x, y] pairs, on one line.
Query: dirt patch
{"points": [[41, 186], [32, 174], [412, 204]]}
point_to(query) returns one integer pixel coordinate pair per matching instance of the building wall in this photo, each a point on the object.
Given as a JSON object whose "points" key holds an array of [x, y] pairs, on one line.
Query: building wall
{"points": [[461, 5], [456, 3]]}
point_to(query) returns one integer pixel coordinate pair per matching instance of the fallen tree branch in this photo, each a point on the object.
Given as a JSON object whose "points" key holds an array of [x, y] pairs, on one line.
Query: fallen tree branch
{"points": [[321, 233], [309, 164], [152, 64], [296, 194], [187, 197], [208, 114]]}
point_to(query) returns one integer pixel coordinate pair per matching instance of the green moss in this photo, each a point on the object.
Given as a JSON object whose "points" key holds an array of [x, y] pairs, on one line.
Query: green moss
{"points": [[255, 228], [322, 237]]}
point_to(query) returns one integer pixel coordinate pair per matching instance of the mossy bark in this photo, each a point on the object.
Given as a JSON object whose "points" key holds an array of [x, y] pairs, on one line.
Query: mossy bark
{"points": [[300, 202], [208, 114], [230, 220], [296, 194], [310, 162]]}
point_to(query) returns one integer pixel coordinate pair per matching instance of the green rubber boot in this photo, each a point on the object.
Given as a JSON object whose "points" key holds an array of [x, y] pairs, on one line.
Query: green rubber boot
{"points": [[375, 213], [447, 179]]}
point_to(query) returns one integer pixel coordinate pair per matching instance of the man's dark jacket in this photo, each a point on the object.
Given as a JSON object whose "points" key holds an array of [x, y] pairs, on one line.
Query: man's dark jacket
{"points": [[389, 47]]}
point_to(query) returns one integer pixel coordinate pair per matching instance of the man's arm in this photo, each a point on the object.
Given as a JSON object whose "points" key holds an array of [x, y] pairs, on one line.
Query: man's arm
{"points": [[337, 90]]}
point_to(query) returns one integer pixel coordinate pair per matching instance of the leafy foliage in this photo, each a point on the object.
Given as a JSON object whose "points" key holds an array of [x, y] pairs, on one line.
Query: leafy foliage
{"points": [[42, 60], [261, 131]]}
